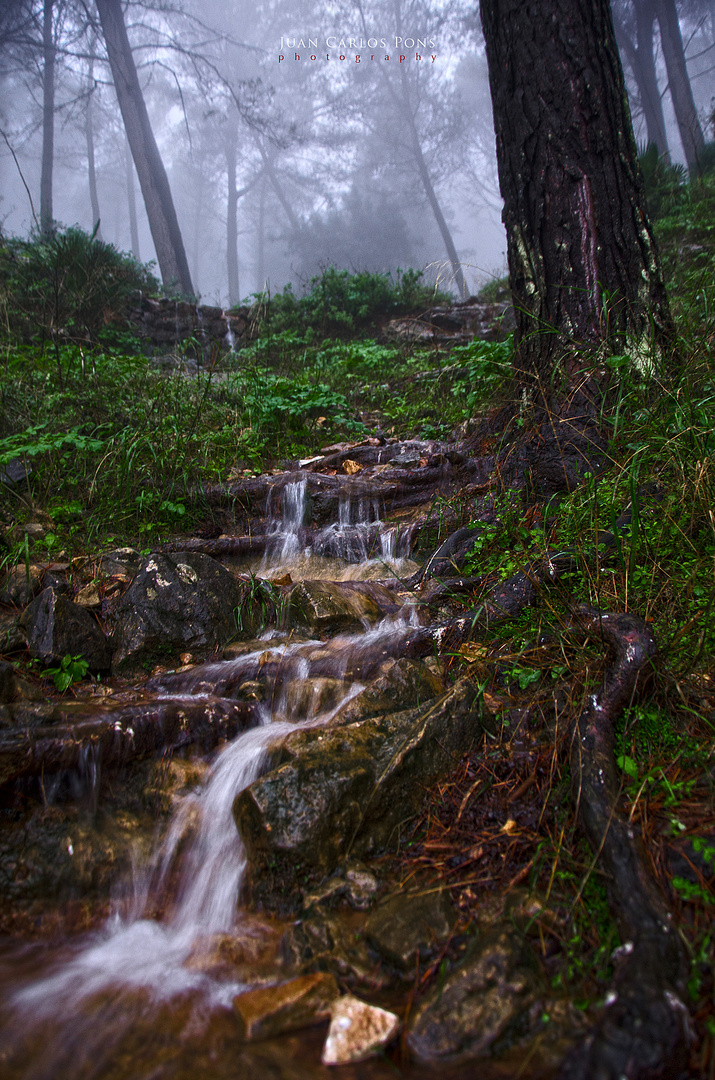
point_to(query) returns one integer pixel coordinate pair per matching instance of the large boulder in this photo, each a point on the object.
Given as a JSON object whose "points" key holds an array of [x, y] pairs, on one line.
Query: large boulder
{"points": [[184, 602], [55, 627], [347, 790]]}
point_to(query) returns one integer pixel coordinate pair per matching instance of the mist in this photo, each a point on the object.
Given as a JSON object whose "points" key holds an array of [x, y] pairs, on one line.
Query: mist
{"points": [[294, 137]]}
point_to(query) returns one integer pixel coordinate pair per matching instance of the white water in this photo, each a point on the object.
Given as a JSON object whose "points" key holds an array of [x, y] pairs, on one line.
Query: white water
{"points": [[201, 860], [137, 951]]}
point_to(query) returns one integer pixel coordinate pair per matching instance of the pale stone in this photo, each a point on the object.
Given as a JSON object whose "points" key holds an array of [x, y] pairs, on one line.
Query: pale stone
{"points": [[357, 1031]]}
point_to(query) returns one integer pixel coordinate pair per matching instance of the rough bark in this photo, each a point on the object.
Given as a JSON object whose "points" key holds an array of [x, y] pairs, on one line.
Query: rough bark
{"points": [[691, 133], [153, 180], [48, 119], [639, 54], [582, 258]]}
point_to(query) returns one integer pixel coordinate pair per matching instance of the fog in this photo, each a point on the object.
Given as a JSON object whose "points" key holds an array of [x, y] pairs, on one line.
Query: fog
{"points": [[361, 134]]}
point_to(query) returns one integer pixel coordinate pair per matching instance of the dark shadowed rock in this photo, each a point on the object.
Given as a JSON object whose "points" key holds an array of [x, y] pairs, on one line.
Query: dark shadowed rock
{"points": [[492, 994], [21, 585], [405, 926], [347, 790], [176, 603], [7, 682], [55, 627]]}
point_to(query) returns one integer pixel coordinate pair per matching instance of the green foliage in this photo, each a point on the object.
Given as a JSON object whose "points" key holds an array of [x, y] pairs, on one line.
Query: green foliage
{"points": [[337, 302], [72, 669], [665, 183], [67, 284]]}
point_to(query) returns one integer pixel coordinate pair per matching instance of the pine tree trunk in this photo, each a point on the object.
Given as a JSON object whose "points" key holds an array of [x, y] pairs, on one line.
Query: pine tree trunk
{"points": [[48, 120], [648, 79], [234, 296], [153, 180], [691, 133], [582, 258], [91, 168], [639, 54], [131, 201]]}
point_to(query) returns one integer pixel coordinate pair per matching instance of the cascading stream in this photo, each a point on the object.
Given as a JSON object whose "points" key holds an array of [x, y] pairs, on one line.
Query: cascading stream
{"points": [[193, 877]]}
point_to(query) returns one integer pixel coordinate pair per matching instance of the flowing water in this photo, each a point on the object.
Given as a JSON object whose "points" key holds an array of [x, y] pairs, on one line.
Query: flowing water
{"points": [[104, 1005]]}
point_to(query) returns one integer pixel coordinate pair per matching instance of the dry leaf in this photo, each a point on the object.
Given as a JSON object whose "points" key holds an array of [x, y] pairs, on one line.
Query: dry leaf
{"points": [[471, 651]]}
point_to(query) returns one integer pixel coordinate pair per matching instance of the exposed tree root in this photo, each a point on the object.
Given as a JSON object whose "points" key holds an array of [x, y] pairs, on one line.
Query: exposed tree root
{"points": [[644, 1028], [112, 737]]}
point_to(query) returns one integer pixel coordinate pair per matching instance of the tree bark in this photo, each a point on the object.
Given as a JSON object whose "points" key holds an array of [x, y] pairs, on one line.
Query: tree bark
{"points": [[48, 119], [153, 180], [639, 54], [131, 201], [691, 133], [234, 296], [91, 168], [582, 257]]}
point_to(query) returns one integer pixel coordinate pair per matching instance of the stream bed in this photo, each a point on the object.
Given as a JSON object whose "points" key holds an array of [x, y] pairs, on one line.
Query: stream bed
{"points": [[276, 768]]}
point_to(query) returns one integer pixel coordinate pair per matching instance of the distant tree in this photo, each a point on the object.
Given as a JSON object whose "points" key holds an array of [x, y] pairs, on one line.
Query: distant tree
{"points": [[153, 180], [634, 22], [691, 133], [582, 259]]}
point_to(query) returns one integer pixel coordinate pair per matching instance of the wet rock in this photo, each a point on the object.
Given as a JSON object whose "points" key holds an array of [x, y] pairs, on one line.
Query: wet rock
{"points": [[55, 627], [327, 940], [398, 685], [361, 887], [347, 790], [337, 605], [492, 994], [15, 473], [406, 926], [21, 585], [311, 697], [120, 562], [185, 601], [357, 1031], [273, 1010], [8, 684], [11, 634]]}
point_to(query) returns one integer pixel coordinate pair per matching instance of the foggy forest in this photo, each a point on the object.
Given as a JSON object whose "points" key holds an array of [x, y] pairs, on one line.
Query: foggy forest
{"points": [[357, 540], [281, 167]]}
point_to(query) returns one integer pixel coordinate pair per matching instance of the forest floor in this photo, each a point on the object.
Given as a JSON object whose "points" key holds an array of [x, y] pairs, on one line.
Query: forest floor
{"points": [[105, 449]]}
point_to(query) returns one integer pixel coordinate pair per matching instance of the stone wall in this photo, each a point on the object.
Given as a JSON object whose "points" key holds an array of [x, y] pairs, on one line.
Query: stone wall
{"points": [[164, 324]]}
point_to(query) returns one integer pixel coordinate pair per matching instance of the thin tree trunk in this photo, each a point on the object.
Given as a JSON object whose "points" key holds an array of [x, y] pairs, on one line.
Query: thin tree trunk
{"points": [[582, 258], [691, 133], [48, 119], [261, 267], [89, 135], [234, 296], [131, 200], [640, 57], [650, 93], [153, 180], [436, 208], [198, 218]]}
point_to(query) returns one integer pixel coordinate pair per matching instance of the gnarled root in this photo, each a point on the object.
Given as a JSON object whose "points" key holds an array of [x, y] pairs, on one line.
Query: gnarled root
{"points": [[643, 1030]]}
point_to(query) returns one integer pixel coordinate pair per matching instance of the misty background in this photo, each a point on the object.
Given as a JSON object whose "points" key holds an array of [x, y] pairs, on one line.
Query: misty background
{"points": [[279, 169]]}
